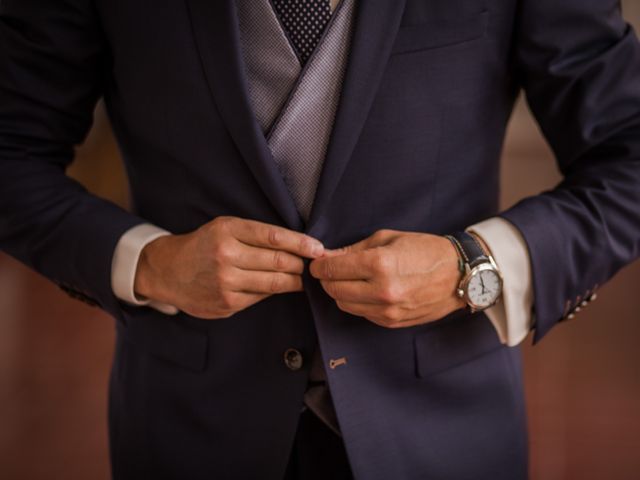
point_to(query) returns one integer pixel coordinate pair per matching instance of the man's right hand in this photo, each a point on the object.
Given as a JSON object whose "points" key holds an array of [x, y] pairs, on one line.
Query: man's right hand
{"points": [[223, 267]]}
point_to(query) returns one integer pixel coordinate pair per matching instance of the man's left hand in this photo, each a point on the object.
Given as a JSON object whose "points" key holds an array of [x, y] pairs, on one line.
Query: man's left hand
{"points": [[394, 279]]}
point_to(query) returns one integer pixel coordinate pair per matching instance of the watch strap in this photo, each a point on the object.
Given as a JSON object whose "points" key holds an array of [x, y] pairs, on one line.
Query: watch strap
{"points": [[470, 249]]}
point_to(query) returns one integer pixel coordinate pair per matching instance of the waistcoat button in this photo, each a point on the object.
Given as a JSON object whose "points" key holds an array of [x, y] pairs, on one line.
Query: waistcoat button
{"points": [[293, 359]]}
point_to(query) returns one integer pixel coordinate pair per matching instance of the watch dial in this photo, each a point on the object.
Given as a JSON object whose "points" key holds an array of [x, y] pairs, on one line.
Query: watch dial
{"points": [[484, 288]]}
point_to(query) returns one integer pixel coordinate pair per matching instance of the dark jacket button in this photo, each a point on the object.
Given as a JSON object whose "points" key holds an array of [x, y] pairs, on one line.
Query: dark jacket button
{"points": [[293, 359]]}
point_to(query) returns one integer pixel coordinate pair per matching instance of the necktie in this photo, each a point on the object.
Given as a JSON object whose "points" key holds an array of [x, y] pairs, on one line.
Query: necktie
{"points": [[304, 22]]}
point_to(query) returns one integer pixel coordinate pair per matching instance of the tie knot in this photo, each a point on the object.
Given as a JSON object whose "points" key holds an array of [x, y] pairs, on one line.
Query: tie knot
{"points": [[305, 22]]}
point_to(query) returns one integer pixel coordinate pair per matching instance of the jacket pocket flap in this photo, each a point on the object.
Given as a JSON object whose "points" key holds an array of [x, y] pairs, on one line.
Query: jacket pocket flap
{"points": [[440, 33], [454, 342], [166, 337]]}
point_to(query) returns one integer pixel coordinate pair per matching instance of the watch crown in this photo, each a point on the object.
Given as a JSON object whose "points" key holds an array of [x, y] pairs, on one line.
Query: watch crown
{"points": [[460, 293]]}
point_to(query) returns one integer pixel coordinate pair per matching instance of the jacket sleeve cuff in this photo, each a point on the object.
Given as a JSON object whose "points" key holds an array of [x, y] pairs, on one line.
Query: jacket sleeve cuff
{"points": [[125, 263], [513, 316]]}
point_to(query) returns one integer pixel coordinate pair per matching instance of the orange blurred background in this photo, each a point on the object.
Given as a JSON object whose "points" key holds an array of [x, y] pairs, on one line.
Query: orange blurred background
{"points": [[582, 381]]}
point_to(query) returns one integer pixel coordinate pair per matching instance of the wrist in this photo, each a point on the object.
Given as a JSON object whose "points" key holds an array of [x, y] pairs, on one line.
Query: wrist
{"points": [[148, 282], [455, 270]]}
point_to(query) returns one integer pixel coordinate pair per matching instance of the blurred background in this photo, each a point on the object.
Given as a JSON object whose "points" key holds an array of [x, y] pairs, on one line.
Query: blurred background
{"points": [[582, 381]]}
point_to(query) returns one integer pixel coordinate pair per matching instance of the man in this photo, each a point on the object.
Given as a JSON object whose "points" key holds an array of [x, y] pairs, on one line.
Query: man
{"points": [[295, 293]]}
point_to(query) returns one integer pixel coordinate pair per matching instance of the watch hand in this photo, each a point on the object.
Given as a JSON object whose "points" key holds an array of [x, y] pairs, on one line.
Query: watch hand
{"points": [[482, 283]]}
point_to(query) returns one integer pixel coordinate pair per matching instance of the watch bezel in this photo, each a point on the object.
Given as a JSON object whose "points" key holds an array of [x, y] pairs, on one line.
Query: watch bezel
{"points": [[463, 289]]}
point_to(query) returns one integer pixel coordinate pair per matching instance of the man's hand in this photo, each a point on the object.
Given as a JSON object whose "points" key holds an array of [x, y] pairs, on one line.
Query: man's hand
{"points": [[223, 267], [394, 279]]}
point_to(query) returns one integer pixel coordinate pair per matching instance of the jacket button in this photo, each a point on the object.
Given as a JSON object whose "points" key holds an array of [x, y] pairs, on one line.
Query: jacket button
{"points": [[293, 359]]}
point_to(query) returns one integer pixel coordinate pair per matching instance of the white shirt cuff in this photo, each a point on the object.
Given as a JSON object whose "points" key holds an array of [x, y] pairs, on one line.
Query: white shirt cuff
{"points": [[125, 264], [513, 316]]}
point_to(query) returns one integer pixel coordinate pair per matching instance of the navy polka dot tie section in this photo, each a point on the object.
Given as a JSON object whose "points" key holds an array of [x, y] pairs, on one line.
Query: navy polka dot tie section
{"points": [[304, 22]]}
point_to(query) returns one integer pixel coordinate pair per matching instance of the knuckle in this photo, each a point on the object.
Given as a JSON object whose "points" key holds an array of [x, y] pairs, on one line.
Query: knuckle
{"points": [[391, 316], [345, 307], [226, 301], [297, 265], [390, 293], [381, 234], [223, 252], [221, 222], [303, 244], [378, 320], [279, 260], [274, 236], [276, 283], [329, 269]]}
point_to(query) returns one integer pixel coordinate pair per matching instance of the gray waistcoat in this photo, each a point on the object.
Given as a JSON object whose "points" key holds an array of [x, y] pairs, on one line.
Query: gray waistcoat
{"points": [[295, 108]]}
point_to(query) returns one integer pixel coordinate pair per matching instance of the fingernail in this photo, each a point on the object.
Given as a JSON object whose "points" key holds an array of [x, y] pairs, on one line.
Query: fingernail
{"points": [[316, 248]]}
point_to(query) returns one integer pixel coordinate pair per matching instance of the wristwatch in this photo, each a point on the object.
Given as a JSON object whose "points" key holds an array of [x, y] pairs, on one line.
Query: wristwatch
{"points": [[481, 282]]}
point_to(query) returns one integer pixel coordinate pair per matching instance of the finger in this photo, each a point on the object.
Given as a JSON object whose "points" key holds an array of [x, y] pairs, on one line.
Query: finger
{"points": [[434, 312], [245, 300], [369, 311], [265, 282], [260, 234], [388, 317], [411, 323], [354, 308], [208, 308], [372, 313], [355, 291], [238, 301], [424, 315], [268, 260], [352, 266]]}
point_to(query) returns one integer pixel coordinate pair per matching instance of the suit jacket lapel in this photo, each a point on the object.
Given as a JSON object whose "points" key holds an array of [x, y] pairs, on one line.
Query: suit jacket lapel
{"points": [[376, 26], [215, 28]]}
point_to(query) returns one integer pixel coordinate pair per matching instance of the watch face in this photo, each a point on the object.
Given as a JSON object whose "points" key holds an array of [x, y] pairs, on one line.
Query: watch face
{"points": [[484, 288]]}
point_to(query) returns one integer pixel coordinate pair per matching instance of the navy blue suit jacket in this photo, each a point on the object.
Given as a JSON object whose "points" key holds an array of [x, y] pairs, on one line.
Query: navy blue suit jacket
{"points": [[429, 88]]}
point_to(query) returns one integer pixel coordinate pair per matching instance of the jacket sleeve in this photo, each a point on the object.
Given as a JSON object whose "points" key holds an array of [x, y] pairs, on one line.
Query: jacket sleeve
{"points": [[53, 63], [579, 65]]}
